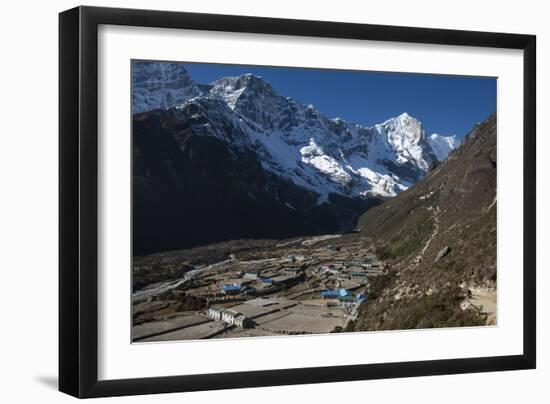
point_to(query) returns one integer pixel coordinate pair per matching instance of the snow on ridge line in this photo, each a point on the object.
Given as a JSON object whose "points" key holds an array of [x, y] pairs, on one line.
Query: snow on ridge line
{"points": [[298, 142], [442, 146]]}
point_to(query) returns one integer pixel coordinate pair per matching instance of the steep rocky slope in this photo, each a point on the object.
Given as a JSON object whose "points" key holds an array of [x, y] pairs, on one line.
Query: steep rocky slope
{"points": [[235, 159], [191, 190], [439, 238]]}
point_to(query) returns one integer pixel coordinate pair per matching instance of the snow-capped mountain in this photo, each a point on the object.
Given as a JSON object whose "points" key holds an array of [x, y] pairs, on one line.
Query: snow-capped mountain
{"points": [[295, 140], [279, 153], [160, 85], [442, 145]]}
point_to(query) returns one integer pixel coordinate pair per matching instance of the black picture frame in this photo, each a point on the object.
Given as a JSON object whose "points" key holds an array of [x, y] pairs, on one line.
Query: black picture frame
{"points": [[78, 201]]}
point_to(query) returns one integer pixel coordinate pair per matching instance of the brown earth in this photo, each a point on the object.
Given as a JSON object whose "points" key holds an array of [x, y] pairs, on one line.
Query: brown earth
{"points": [[440, 239]]}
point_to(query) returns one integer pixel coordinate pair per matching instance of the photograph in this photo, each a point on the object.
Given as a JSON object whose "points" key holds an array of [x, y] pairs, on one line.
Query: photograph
{"points": [[280, 201]]}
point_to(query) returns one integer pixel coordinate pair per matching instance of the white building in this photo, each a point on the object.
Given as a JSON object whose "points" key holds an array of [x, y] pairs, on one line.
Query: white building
{"points": [[228, 316], [331, 270], [242, 321], [214, 313], [251, 275]]}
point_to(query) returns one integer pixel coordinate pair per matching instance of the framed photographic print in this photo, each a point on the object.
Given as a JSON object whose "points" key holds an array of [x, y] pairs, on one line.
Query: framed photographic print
{"points": [[251, 201]]}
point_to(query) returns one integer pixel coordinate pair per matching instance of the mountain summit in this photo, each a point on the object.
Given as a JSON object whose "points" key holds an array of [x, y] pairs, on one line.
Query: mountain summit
{"points": [[160, 85], [282, 160]]}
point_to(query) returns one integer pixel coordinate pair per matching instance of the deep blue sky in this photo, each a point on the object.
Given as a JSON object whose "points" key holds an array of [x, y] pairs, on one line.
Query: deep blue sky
{"points": [[448, 105]]}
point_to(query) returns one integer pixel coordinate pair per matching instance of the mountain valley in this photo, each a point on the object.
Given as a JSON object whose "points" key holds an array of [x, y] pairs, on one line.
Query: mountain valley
{"points": [[257, 215], [282, 168]]}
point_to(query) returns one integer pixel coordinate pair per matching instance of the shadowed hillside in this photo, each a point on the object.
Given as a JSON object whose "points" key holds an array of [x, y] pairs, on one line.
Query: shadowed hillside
{"points": [[192, 190], [235, 159]]}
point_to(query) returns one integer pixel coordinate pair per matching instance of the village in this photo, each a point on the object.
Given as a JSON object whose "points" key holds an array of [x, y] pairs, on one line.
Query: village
{"points": [[304, 286]]}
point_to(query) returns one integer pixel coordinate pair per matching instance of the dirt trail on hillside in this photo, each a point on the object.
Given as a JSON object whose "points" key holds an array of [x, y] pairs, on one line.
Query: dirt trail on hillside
{"points": [[486, 302], [435, 231]]}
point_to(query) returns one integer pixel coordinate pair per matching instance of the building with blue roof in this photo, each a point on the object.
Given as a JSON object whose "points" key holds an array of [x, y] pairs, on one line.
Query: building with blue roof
{"points": [[343, 295], [343, 292], [231, 289], [329, 294]]}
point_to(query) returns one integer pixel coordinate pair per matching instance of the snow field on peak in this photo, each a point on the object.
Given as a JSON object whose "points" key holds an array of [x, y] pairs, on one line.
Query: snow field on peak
{"points": [[296, 141]]}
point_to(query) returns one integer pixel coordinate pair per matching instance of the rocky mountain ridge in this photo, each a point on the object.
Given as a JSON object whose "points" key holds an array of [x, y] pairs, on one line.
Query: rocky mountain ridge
{"points": [[234, 159], [294, 140]]}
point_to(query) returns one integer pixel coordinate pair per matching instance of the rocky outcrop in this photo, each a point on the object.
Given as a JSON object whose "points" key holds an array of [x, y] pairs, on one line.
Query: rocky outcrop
{"points": [[443, 252]]}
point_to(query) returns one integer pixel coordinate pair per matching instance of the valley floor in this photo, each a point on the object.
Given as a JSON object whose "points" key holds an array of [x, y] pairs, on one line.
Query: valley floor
{"points": [[308, 285], [305, 285]]}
